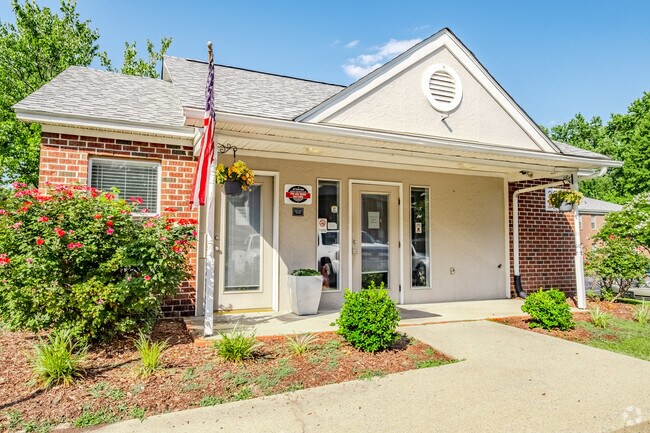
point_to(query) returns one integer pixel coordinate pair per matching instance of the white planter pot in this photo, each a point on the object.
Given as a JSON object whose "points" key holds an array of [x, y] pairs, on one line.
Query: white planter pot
{"points": [[566, 207], [304, 293]]}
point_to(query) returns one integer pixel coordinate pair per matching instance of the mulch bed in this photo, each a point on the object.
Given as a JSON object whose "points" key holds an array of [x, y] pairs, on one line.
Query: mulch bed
{"points": [[577, 334], [191, 373]]}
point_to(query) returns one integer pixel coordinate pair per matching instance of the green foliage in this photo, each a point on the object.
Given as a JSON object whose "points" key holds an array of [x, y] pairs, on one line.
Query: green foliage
{"points": [[368, 319], [91, 417], [642, 314], [75, 258], [40, 45], [305, 273], [600, 318], [626, 137], [210, 400], [623, 336], [617, 263], [592, 295], [426, 363], [236, 345], [138, 413], [132, 65], [561, 196], [299, 344], [150, 354], [548, 309], [243, 394], [632, 222], [58, 361]]}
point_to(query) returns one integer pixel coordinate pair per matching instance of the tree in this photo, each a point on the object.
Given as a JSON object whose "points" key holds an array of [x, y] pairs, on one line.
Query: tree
{"points": [[39, 46], [133, 65]]}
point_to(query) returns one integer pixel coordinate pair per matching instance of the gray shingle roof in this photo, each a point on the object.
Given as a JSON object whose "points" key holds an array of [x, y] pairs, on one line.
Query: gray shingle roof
{"points": [[599, 207], [567, 149], [246, 92], [86, 92]]}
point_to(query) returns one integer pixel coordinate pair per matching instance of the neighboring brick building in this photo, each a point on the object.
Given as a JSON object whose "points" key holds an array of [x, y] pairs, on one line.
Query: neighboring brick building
{"points": [[592, 218], [406, 176]]}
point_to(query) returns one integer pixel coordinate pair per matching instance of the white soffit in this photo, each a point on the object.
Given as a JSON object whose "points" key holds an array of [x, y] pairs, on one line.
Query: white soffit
{"points": [[419, 52]]}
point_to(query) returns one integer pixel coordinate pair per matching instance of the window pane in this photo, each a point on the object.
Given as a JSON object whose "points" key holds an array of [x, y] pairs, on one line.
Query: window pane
{"points": [[375, 250], [328, 236], [420, 265], [242, 265], [132, 179]]}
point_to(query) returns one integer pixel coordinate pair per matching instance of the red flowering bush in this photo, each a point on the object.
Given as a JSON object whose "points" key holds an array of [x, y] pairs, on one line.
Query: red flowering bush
{"points": [[75, 258]]}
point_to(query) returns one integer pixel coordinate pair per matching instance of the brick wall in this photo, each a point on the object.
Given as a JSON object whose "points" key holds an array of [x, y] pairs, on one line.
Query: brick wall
{"points": [[64, 160], [586, 232], [546, 243]]}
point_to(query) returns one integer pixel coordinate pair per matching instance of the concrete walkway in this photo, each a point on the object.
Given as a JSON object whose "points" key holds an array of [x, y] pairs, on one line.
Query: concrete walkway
{"points": [[418, 314], [511, 381]]}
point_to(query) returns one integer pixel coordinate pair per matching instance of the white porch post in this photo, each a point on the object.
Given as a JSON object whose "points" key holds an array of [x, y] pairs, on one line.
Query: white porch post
{"points": [[579, 263], [208, 284]]}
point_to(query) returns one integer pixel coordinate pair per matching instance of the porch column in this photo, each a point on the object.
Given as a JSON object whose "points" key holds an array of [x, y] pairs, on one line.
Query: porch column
{"points": [[579, 262]]}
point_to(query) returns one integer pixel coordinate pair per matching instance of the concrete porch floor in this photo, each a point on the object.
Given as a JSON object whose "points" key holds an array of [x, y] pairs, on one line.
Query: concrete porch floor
{"points": [[272, 323]]}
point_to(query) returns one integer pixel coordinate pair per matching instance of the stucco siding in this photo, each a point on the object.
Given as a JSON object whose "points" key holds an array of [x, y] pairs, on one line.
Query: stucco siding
{"points": [[401, 105], [467, 226]]}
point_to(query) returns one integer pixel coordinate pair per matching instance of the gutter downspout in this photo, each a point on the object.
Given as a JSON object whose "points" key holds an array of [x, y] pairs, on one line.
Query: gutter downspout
{"points": [[515, 230]]}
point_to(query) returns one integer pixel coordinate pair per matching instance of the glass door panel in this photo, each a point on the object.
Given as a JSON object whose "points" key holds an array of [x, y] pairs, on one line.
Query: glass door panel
{"points": [[375, 250]]}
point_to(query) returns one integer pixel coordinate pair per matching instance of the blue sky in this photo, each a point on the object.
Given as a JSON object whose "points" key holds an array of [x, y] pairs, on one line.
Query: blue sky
{"points": [[556, 58]]}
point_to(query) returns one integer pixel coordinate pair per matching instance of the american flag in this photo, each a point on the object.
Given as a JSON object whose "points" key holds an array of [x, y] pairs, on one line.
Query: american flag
{"points": [[202, 175]]}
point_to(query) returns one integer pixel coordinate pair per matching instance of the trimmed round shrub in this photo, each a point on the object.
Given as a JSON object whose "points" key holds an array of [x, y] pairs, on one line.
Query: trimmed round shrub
{"points": [[74, 258], [368, 319], [549, 310]]}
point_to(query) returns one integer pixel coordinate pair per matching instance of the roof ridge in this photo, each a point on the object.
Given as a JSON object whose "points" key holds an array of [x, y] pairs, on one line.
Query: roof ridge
{"points": [[263, 72], [116, 73]]}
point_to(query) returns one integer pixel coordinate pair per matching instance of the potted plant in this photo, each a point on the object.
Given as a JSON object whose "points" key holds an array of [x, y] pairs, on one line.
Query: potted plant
{"points": [[564, 199], [305, 288], [235, 178]]}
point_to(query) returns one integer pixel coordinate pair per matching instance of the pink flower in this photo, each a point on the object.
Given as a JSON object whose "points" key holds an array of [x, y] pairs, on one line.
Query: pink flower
{"points": [[40, 241], [17, 225], [149, 224], [147, 277], [29, 260], [136, 199], [612, 237], [97, 216], [110, 231], [171, 209], [194, 233], [59, 232], [109, 223], [163, 238], [109, 196], [125, 211], [73, 245], [129, 278], [3, 212], [4, 260], [100, 301], [43, 219], [70, 232], [145, 210]]}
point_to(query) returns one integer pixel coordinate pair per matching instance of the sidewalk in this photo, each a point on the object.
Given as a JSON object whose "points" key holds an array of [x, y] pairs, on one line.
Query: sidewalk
{"points": [[510, 381], [417, 314]]}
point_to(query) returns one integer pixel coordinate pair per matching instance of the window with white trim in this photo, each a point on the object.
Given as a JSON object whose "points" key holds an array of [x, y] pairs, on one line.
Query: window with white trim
{"points": [[593, 222], [134, 179]]}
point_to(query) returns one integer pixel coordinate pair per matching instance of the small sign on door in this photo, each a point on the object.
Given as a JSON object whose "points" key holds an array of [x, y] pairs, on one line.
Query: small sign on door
{"points": [[373, 220], [297, 194], [322, 224]]}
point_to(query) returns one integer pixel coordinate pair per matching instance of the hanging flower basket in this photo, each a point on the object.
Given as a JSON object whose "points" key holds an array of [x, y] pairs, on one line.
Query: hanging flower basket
{"points": [[235, 178], [564, 200]]}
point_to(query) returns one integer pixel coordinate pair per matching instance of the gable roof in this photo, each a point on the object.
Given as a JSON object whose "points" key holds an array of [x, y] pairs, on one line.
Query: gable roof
{"points": [[567, 149], [443, 38], [88, 93], [592, 206], [242, 91]]}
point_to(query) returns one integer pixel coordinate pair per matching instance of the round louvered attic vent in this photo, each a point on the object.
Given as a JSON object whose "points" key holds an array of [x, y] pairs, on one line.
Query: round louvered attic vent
{"points": [[442, 87]]}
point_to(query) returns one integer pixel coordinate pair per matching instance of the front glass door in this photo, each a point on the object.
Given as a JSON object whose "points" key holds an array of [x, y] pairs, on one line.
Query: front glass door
{"points": [[247, 229], [375, 238]]}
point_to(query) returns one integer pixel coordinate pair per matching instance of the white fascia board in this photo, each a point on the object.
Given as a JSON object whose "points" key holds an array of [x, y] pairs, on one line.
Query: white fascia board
{"points": [[179, 132], [439, 143], [443, 38]]}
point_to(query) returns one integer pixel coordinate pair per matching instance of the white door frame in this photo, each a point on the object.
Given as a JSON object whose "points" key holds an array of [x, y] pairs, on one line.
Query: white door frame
{"points": [[400, 229], [275, 256]]}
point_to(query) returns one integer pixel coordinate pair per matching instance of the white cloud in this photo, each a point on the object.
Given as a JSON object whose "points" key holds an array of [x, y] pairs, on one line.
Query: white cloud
{"points": [[365, 63], [352, 44], [420, 28], [335, 43]]}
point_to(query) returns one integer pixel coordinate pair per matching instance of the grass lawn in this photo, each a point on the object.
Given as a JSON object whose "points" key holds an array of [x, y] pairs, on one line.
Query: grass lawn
{"points": [[622, 336], [192, 375]]}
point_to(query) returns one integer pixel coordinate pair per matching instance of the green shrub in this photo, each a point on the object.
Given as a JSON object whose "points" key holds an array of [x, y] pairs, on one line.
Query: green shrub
{"points": [[618, 263], [237, 345], [642, 314], [150, 354], [75, 258], [57, 361], [600, 318], [368, 319], [305, 273], [548, 309], [299, 344]]}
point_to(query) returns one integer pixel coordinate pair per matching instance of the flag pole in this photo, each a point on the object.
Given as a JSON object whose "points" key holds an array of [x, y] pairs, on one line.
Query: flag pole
{"points": [[210, 238]]}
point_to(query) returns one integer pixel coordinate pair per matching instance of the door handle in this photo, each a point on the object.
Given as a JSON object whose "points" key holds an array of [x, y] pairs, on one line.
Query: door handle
{"points": [[354, 247]]}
